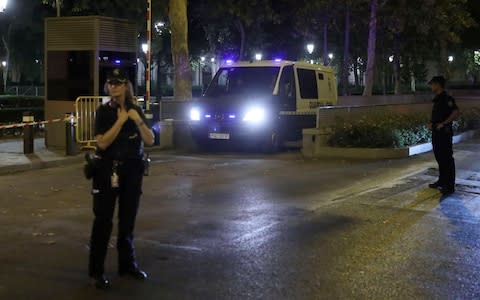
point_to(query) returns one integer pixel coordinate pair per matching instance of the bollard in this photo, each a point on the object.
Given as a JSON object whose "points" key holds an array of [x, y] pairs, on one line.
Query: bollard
{"points": [[71, 147], [155, 109], [28, 133], [149, 118]]}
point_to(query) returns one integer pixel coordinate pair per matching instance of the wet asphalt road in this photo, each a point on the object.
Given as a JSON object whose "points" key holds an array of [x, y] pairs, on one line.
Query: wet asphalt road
{"points": [[246, 226]]}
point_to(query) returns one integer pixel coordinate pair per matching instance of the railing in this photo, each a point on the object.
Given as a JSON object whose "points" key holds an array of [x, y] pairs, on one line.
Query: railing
{"points": [[85, 111], [25, 90]]}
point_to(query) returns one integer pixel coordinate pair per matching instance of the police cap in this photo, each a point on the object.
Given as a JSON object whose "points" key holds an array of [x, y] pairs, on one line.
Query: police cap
{"points": [[117, 76]]}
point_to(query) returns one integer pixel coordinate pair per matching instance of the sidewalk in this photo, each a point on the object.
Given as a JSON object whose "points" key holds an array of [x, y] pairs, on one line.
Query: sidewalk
{"points": [[13, 160]]}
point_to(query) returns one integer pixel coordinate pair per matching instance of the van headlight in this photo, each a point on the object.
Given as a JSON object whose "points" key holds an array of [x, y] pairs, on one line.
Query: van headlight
{"points": [[255, 115], [195, 114]]}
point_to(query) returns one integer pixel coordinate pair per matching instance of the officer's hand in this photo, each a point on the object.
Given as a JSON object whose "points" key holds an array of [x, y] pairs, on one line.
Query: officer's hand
{"points": [[133, 115], [440, 126], [430, 126], [122, 115]]}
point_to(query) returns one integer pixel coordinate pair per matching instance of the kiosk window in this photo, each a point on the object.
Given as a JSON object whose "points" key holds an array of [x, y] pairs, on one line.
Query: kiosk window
{"points": [[307, 80], [320, 76], [69, 75]]}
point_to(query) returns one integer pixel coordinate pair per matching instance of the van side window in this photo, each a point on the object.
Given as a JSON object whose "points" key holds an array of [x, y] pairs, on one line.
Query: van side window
{"points": [[223, 79], [287, 90], [307, 81]]}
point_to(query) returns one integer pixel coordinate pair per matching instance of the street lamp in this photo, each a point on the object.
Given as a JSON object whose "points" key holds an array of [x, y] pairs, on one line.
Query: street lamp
{"points": [[145, 48], [3, 5], [212, 59], [330, 55], [258, 56], [310, 48], [451, 58], [202, 58], [390, 58], [4, 64]]}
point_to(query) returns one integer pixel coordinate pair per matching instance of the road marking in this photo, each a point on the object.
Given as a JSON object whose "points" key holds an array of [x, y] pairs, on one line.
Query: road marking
{"points": [[166, 245]]}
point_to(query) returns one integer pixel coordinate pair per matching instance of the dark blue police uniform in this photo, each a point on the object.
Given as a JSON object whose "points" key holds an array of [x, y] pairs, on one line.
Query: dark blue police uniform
{"points": [[443, 106], [124, 157]]}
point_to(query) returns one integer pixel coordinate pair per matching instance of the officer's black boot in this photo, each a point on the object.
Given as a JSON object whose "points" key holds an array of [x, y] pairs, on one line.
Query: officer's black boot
{"points": [[133, 272], [101, 282], [434, 185]]}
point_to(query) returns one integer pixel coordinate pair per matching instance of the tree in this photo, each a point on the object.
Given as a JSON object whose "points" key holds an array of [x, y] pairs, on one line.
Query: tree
{"points": [[316, 16], [238, 25], [181, 60], [346, 50], [372, 40], [452, 18]]}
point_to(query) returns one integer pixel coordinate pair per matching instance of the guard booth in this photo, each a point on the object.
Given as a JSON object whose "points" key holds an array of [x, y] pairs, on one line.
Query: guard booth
{"points": [[79, 53]]}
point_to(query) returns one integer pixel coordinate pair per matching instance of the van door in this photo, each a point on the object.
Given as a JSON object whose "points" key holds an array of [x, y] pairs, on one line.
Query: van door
{"points": [[324, 87], [287, 90], [307, 94]]}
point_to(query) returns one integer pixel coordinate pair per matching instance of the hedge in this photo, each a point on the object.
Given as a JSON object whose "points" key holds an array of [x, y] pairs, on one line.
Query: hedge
{"points": [[393, 130]]}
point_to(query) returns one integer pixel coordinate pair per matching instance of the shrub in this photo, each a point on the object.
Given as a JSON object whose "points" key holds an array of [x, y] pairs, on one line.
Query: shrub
{"points": [[393, 130]]}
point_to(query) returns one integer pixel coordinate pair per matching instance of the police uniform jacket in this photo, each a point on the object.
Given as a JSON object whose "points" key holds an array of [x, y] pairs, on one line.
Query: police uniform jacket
{"points": [[443, 106], [128, 145]]}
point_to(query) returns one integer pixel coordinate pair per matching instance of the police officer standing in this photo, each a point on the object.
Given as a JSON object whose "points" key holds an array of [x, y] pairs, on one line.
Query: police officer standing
{"points": [[120, 133], [444, 112]]}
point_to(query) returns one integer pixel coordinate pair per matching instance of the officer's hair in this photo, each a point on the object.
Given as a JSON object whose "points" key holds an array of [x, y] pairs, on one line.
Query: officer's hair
{"points": [[129, 97]]}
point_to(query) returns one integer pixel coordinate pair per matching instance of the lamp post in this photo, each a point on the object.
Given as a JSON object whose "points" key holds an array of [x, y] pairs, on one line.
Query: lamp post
{"points": [[3, 5], [145, 48], [310, 49], [148, 54], [258, 56]]}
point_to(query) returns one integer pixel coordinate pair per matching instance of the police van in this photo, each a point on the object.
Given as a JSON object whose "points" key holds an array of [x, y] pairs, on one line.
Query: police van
{"points": [[263, 103]]}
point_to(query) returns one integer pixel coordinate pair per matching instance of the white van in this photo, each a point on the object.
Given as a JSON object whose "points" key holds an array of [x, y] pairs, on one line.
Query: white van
{"points": [[266, 103]]}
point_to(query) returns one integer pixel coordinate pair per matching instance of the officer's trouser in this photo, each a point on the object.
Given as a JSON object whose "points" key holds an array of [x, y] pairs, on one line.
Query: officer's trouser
{"points": [[104, 197], [443, 150]]}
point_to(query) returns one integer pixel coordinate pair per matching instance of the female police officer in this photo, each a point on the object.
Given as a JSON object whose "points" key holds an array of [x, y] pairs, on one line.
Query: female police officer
{"points": [[120, 133]]}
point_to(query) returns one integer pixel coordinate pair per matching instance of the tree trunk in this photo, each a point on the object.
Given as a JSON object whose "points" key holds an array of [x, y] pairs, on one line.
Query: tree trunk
{"points": [[355, 73], [346, 53], [5, 41], [159, 77], [241, 30], [325, 42], [396, 63], [58, 6], [372, 40], [182, 89], [443, 62]]}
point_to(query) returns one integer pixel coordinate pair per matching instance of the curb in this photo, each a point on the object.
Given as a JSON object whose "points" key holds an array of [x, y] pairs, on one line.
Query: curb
{"points": [[37, 164], [320, 151]]}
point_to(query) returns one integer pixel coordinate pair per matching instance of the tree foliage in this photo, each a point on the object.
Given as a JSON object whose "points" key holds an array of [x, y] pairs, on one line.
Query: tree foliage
{"points": [[414, 32]]}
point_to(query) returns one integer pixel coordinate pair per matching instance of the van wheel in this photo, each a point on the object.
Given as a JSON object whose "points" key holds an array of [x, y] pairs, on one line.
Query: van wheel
{"points": [[272, 143]]}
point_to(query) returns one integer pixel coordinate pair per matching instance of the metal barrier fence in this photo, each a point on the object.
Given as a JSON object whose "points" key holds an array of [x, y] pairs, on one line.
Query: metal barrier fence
{"points": [[85, 111]]}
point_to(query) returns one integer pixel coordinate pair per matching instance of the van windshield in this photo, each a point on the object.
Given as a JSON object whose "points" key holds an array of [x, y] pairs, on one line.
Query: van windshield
{"points": [[243, 80]]}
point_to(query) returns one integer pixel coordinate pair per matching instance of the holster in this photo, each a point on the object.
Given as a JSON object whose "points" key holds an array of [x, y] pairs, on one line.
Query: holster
{"points": [[92, 162]]}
